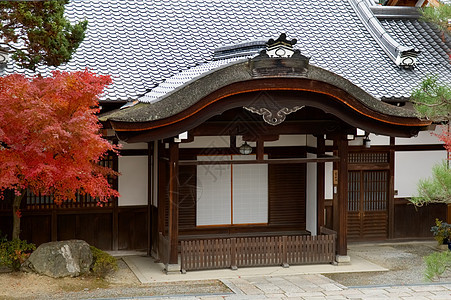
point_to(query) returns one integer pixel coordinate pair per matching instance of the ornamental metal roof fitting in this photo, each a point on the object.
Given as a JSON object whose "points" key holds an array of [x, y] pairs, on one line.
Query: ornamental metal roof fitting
{"points": [[403, 56]]}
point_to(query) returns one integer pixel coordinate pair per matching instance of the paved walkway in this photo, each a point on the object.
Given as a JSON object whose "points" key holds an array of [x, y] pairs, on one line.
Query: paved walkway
{"points": [[295, 282], [318, 287]]}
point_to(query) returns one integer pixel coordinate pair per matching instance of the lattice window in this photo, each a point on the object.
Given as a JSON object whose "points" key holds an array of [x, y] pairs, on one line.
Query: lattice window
{"points": [[375, 190], [368, 158], [354, 190]]}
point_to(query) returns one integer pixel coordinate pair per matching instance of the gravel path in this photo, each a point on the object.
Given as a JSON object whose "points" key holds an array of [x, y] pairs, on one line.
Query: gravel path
{"points": [[404, 260]]}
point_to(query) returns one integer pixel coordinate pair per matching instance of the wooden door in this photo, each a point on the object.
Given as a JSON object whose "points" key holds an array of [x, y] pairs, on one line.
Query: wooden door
{"points": [[368, 204]]}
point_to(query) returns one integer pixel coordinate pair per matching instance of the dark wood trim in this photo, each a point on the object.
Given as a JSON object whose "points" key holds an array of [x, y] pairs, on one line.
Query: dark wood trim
{"points": [[373, 166], [320, 184], [275, 161], [173, 202], [425, 147], [385, 148], [133, 152], [342, 145]]}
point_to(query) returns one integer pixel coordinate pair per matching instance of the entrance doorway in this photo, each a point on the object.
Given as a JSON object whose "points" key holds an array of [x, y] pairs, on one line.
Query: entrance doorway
{"points": [[368, 193]]}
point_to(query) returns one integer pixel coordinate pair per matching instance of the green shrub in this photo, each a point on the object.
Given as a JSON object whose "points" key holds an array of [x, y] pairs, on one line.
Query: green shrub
{"points": [[14, 253], [102, 263], [437, 263], [441, 231]]}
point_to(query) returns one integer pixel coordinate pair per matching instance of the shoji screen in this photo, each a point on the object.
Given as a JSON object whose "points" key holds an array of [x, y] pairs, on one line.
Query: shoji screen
{"points": [[249, 192], [213, 192]]}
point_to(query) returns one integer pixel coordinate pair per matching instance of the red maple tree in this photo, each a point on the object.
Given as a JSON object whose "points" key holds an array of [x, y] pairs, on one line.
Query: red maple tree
{"points": [[50, 140]]}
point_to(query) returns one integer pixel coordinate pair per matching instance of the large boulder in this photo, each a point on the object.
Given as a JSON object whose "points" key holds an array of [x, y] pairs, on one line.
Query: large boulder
{"points": [[60, 259]]}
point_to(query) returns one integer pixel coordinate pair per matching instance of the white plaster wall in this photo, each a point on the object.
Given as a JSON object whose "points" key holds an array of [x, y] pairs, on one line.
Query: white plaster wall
{"points": [[133, 180], [379, 140], [423, 137], [133, 146], [328, 180], [411, 166], [208, 142], [288, 140], [311, 203]]}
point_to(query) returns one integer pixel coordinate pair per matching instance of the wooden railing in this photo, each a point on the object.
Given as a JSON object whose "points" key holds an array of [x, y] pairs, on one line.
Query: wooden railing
{"points": [[283, 250]]}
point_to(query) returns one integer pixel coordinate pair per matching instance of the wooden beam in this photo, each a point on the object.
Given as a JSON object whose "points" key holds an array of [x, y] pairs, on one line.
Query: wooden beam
{"points": [[342, 194], [261, 129], [173, 202], [277, 161]]}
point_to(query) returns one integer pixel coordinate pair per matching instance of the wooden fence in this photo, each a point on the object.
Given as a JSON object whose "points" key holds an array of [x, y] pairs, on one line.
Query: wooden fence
{"points": [[232, 253]]}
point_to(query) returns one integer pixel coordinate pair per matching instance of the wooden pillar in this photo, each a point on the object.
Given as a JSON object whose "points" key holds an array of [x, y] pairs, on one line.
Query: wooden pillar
{"points": [[391, 191], [342, 194], [115, 218], [173, 202], [161, 189], [260, 149], [150, 188], [320, 184]]}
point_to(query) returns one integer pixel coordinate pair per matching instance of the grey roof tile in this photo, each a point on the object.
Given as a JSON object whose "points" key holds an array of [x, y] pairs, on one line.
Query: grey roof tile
{"points": [[162, 43]]}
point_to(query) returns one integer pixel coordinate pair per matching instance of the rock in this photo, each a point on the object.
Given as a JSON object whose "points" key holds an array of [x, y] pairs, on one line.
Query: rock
{"points": [[60, 259]]}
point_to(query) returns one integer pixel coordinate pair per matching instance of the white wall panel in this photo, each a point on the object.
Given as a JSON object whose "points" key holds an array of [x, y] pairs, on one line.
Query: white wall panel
{"points": [[311, 203], [250, 192], [133, 180], [288, 140], [412, 166], [208, 142], [328, 180], [213, 192]]}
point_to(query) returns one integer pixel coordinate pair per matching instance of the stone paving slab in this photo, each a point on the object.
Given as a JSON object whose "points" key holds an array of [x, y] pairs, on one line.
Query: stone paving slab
{"points": [[301, 286]]}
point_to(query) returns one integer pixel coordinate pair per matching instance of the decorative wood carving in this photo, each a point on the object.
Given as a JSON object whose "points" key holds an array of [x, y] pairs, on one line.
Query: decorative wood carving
{"points": [[271, 115]]}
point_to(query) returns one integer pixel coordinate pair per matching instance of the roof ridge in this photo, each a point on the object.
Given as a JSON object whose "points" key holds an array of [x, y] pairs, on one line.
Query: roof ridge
{"points": [[402, 55]]}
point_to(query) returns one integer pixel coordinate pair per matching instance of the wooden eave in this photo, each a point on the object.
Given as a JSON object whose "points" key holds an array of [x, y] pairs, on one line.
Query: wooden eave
{"points": [[237, 85]]}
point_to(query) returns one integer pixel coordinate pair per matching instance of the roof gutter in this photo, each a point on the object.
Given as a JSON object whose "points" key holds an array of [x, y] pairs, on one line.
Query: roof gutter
{"points": [[402, 56]]}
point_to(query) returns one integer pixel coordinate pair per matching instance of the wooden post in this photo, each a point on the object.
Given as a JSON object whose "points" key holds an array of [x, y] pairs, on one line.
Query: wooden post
{"points": [[260, 149], [320, 177], [115, 217], [391, 191], [342, 194], [173, 202], [150, 188], [161, 189]]}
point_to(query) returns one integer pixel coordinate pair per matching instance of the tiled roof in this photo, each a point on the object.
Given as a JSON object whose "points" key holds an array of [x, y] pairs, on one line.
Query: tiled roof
{"points": [[144, 43]]}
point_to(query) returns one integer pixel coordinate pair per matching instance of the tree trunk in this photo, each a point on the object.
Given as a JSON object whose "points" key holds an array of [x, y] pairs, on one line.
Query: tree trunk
{"points": [[16, 214]]}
